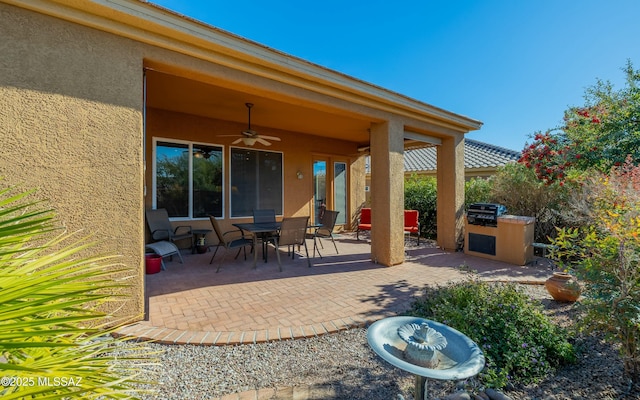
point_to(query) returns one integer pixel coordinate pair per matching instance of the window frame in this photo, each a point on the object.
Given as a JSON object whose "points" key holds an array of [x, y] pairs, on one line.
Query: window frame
{"points": [[231, 148], [190, 144]]}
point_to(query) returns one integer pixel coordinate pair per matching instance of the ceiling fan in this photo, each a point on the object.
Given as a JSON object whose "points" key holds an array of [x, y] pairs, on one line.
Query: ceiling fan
{"points": [[250, 137]]}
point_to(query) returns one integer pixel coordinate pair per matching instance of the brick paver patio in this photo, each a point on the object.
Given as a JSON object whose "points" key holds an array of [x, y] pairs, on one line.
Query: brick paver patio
{"points": [[191, 304]]}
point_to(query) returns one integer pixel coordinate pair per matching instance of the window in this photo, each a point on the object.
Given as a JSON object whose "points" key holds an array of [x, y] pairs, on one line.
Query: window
{"points": [[188, 179], [256, 181]]}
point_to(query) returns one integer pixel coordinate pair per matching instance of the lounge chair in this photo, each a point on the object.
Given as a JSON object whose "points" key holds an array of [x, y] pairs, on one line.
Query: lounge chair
{"points": [[161, 228]]}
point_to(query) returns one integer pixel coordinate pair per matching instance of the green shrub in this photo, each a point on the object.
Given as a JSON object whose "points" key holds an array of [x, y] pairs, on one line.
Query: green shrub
{"points": [[519, 189], [420, 193], [521, 344], [477, 190]]}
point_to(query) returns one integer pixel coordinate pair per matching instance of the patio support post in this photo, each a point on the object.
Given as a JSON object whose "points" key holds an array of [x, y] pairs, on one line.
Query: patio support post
{"points": [[387, 193], [450, 202]]}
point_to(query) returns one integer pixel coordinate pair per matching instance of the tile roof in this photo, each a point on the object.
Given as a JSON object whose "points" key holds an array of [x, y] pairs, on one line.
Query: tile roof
{"points": [[476, 155]]}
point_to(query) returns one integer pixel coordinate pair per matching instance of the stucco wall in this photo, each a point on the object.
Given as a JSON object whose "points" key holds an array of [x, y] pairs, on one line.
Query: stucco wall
{"points": [[71, 126]]}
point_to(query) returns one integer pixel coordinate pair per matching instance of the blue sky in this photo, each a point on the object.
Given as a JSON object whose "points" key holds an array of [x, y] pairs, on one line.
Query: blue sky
{"points": [[515, 65]]}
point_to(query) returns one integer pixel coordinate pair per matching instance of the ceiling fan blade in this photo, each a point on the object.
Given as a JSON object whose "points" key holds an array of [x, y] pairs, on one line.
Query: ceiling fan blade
{"points": [[274, 138], [237, 141], [262, 141]]}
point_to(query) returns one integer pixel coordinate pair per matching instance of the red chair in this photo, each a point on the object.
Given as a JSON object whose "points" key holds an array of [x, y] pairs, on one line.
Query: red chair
{"points": [[364, 224], [412, 223]]}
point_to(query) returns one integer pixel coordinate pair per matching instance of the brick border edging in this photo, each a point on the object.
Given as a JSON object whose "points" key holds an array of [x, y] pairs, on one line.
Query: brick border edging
{"points": [[145, 332]]}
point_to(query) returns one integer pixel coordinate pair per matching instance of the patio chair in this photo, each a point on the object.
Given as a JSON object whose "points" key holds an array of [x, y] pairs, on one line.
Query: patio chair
{"points": [[293, 231], [325, 230], [412, 223], [364, 223], [161, 229], [265, 216], [225, 240]]}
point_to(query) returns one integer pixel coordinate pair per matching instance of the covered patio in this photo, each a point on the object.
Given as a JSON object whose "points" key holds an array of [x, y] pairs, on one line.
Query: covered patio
{"points": [[191, 304], [135, 90]]}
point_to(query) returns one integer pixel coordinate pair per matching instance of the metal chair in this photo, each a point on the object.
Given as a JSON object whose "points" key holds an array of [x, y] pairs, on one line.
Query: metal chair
{"points": [[228, 243], [293, 231], [265, 216], [325, 230], [161, 229]]}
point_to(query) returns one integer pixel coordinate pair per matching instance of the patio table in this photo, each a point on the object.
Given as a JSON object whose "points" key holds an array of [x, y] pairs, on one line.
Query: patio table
{"points": [[255, 229]]}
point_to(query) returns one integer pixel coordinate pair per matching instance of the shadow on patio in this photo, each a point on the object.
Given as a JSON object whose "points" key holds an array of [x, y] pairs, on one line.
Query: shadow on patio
{"points": [[191, 303]]}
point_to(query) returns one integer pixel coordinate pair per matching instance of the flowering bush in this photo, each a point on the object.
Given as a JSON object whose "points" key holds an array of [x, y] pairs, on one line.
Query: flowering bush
{"points": [[605, 253], [520, 343], [596, 136]]}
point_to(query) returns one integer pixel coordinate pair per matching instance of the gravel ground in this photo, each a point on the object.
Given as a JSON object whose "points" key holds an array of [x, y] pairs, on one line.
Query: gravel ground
{"points": [[346, 362]]}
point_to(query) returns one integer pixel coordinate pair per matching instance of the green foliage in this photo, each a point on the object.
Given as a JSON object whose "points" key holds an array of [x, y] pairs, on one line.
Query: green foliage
{"points": [[596, 136], [52, 338], [519, 189], [477, 190], [604, 252], [520, 344], [420, 193]]}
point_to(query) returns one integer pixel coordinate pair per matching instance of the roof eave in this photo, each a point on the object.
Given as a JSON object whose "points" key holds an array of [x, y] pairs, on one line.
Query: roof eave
{"points": [[148, 23]]}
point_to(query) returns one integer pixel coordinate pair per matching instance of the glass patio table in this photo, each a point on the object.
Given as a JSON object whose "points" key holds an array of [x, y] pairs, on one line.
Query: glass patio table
{"points": [[255, 229]]}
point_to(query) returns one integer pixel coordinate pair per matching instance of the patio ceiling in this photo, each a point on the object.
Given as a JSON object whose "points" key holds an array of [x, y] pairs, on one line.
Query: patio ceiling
{"points": [[184, 95]]}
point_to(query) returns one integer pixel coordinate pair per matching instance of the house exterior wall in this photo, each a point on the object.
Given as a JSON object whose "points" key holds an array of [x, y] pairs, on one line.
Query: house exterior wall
{"points": [[71, 127]]}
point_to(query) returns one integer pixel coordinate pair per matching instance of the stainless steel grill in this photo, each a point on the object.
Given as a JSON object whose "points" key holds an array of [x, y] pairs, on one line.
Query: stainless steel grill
{"points": [[485, 213]]}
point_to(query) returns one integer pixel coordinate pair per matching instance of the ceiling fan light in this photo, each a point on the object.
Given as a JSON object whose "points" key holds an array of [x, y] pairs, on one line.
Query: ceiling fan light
{"points": [[249, 141], [198, 154]]}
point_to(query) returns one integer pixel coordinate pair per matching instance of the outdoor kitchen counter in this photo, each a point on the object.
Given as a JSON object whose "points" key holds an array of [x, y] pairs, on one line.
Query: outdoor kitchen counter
{"points": [[510, 241]]}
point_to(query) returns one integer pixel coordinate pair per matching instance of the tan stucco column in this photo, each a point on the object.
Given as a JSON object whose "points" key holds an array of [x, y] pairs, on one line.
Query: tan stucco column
{"points": [[450, 201], [387, 193]]}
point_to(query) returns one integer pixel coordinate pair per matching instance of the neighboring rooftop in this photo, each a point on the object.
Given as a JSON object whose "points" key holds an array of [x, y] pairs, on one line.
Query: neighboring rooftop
{"points": [[477, 155]]}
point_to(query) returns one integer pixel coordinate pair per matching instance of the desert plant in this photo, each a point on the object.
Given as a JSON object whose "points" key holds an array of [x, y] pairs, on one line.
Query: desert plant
{"points": [[520, 343], [53, 340], [604, 253]]}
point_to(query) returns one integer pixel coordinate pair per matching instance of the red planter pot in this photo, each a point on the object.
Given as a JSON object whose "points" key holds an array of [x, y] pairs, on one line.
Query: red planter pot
{"points": [[153, 263]]}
